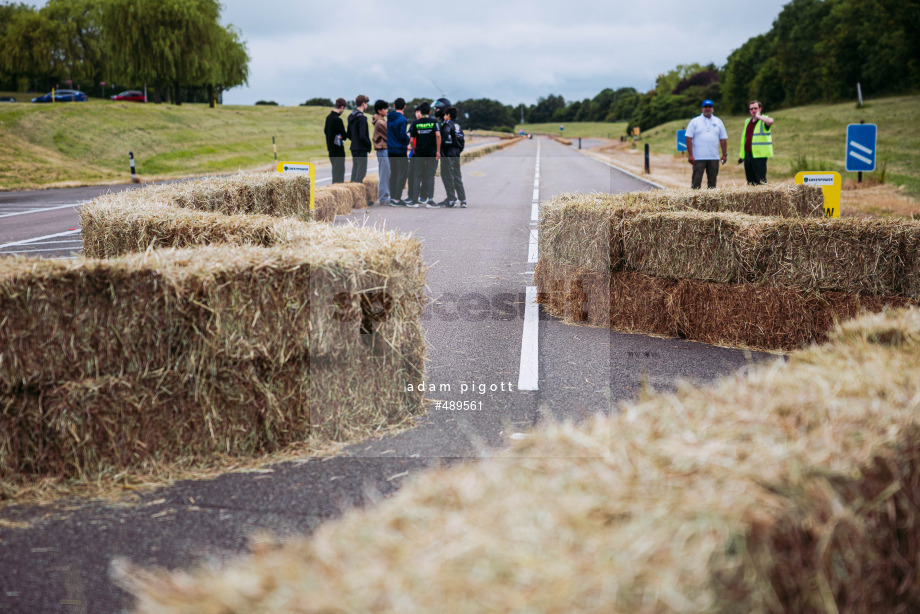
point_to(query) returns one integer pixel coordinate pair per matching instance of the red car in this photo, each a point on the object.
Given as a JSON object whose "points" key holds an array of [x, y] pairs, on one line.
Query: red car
{"points": [[131, 96]]}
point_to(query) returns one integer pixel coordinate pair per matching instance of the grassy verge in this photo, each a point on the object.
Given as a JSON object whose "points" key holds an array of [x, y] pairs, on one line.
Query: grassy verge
{"points": [[805, 138], [43, 145]]}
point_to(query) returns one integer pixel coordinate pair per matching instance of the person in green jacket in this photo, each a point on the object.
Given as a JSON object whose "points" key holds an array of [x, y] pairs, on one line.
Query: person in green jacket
{"points": [[756, 144]]}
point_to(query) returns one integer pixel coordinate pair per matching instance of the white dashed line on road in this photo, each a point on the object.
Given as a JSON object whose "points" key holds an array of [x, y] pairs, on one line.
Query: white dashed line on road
{"points": [[41, 210], [529, 377]]}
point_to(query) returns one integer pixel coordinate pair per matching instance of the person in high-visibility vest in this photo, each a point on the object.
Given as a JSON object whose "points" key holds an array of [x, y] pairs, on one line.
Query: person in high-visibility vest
{"points": [[756, 144]]}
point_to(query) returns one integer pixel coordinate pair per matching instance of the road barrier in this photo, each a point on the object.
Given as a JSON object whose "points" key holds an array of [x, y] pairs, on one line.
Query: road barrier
{"points": [[650, 262], [283, 331], [791, 487]]}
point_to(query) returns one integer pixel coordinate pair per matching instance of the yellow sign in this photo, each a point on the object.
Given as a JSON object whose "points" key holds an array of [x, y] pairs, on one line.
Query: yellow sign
{"points": [[301, 167], [830, 183]]}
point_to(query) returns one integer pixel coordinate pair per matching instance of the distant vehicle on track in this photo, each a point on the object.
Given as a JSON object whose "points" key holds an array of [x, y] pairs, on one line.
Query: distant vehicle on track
{"points": [[131, 96], [7, 99], [63, 96]]}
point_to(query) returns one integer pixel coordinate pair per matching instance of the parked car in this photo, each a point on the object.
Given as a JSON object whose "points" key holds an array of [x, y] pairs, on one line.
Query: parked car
{"points": [[63, 96], [131, 96], [7, 99]]}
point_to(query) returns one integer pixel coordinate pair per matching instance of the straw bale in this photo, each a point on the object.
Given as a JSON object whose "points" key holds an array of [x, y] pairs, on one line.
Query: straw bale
{"points": [[659, 238], [325, 206], [371, 185], [278, 194], [315, 305], [344, 198], [111, 228], [746, 315], [790, 487], [359, 194]]}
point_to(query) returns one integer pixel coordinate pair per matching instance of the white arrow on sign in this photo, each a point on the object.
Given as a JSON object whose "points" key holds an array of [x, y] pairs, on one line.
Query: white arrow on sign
{"points": [[862, 148]]}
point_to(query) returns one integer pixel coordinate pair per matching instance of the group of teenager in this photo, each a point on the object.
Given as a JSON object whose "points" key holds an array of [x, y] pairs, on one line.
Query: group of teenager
{"points": [[408, 153]]}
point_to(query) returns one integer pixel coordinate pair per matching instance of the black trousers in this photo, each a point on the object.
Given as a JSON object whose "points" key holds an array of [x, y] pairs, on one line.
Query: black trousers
{"points": [[711, 167], [755, 169], [399, 174], [358, 166], [423, 178], [453, 180], [338, 168]]}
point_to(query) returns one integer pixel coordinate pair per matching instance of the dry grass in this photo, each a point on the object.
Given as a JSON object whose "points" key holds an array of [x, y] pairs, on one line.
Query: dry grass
{"points": [[216, 350], [792, 488]]}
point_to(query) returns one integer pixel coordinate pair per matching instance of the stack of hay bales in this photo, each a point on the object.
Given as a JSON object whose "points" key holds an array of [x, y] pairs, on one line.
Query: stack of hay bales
{"points": [[791, 488], [284, 331], [755, 266]]}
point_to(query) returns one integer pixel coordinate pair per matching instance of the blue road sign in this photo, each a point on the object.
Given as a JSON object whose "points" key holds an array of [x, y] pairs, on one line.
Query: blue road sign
{"points": [[861, 147], [681, 140]]}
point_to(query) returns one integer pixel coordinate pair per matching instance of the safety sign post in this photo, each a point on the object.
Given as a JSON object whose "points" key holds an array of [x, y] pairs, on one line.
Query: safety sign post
{"points": [[299, 168], [681, 140], [861, 147], [829, 181]]}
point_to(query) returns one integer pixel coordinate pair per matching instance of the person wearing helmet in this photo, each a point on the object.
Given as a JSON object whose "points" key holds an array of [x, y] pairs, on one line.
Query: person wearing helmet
{"points": [[452, 143], [440, 106]]}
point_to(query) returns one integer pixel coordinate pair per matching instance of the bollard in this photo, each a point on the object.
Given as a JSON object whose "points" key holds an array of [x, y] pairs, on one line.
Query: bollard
{"points": [[579, 142], [134, 178], [275, 147], [647, 171]]}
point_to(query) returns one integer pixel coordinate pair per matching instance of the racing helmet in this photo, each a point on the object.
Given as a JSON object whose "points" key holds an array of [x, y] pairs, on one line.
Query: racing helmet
{"points": [[440, 105]]}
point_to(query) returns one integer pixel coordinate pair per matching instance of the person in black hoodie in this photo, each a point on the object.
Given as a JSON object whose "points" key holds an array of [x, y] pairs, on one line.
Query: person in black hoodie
{"points": [[452, 143], [360, 139], [335, 141]]}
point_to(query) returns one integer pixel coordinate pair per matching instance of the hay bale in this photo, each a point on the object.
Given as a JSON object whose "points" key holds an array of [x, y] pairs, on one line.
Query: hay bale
{"points": [[359, 194], [325, 206], [663, 238], [111, 228], [335, 311], [344, 198], [277, 194], [790, 488], [855, 256], [371, 186], [738, 315]]}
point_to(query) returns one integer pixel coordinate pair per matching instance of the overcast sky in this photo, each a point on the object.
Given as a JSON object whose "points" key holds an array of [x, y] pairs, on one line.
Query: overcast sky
{"points": [[509, 51]]}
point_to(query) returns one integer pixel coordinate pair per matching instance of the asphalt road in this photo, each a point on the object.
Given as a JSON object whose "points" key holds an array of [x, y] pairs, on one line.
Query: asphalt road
{"points": [[55, 559]]}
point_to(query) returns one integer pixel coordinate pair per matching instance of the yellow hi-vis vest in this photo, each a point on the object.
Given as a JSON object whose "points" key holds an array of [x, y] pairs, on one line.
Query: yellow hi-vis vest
{"points": [[761, 142]]}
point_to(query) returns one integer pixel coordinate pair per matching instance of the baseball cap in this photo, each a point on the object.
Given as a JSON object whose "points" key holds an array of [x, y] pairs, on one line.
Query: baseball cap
{"points": [[707, 103]]}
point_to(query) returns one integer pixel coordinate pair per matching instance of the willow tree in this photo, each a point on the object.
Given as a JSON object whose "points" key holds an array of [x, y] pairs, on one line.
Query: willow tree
{"points": [[172, 44]]}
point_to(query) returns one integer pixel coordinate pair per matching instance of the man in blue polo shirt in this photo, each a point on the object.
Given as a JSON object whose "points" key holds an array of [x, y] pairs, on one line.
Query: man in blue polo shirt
{"points": [[705, 136]]}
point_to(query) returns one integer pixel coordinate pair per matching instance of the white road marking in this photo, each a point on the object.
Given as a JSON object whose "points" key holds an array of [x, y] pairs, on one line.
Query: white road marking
{"points": [[529, 377], [69, 233], [860, 147], [33, 251], [42, 210]]}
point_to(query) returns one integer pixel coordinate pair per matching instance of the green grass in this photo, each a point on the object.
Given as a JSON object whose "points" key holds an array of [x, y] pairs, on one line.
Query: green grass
{"points": [[80, 143], [805, 138]]}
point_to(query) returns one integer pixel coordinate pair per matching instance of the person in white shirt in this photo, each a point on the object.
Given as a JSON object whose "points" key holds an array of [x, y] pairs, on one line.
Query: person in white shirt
{"points": [[705, 136]]}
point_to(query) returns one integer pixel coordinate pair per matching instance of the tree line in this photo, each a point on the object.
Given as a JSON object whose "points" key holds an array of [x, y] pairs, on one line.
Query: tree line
{"points": [[815, 51], [177, 47]]}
